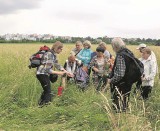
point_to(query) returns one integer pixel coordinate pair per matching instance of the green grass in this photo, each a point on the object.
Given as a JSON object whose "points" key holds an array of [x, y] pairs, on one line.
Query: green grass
{"points": [[74, 110]]}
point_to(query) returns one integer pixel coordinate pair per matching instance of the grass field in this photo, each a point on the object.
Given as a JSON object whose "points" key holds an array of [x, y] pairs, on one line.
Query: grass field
{"points": [[74, 110]]}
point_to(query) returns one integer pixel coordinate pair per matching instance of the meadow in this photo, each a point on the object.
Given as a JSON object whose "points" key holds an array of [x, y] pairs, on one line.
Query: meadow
{"points": [[74, 110]]}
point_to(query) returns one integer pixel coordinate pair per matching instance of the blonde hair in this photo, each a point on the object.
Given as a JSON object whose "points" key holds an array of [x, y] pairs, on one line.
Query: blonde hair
{"points": [[72, 53], [103, 45], [79, 43], [88, 43], [57, 45], [71, 58]]}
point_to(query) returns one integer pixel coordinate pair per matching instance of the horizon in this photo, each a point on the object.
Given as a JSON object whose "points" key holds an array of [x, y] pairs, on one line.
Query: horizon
{"points": [[74, 36]]}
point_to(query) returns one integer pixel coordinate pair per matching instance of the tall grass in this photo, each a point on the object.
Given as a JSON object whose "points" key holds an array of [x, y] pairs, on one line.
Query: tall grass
{"points": [[74, 110]]}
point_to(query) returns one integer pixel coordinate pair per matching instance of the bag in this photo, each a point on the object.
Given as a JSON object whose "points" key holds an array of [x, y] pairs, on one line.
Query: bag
{"points": [[36, 59], [136, 68], [53, 77], [81, 78]]}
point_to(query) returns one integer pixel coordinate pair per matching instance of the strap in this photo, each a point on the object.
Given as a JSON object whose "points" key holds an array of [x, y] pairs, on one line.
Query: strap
{"points": [[77, 52], [124, 53]]}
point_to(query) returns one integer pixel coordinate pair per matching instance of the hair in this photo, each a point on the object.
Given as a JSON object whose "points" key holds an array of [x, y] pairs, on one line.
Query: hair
{"points": [[71, 58], [147, 50], [57, 45], [141, 49], [103, 45], [117, 44], [87, 42], [79, 42], [100, 49], [72, 53]]}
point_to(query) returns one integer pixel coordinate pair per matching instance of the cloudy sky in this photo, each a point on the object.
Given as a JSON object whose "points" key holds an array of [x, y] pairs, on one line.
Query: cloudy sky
{"points": [[123, 18]]}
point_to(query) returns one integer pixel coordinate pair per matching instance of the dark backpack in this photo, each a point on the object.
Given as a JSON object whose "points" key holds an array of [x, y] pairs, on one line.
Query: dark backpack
{"points": [[135, 69], [36, 59]]}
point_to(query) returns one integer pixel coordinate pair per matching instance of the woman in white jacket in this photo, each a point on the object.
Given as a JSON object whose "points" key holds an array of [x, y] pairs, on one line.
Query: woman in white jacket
{"points": [[149, 72]]}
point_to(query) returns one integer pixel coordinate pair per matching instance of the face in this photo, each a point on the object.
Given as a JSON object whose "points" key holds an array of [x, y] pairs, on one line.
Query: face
{"points": [[140, 49], [86, 46], [114, 49], [99, 54], [59, 50], [145, 55], [78, 46], [71, 60]]}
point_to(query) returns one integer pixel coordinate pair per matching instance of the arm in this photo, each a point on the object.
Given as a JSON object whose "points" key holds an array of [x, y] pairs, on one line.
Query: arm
{"points": [[119, 70], [152, 69], [47, 62], [93, 64], [57, 72], [58, 66], [80, 55], [65, 65]]}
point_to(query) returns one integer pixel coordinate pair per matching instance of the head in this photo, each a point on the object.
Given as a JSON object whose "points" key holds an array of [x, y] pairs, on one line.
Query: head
{"points": [[78, 45], [141, 47], [146, 52], [71, 59], [103, 45], [118, 44], [87, 44], [100, 51], [57, 47], [72, 53]]}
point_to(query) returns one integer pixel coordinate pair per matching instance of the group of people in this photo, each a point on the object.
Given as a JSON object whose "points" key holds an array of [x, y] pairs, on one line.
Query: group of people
{"points": [[101, 63]]}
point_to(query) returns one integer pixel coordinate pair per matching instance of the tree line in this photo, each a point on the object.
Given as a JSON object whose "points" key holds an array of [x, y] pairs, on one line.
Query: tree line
{"points": [[130, 41]]}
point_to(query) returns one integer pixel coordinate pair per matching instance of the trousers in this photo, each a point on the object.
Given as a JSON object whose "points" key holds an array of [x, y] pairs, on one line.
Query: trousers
{"points": [[46, 85]]}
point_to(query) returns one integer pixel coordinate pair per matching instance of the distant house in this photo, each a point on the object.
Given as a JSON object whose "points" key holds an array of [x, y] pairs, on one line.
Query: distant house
{"points": [[158, 44]]}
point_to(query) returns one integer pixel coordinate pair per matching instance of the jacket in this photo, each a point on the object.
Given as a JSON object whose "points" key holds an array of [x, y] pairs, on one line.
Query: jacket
{"points": [[85, 56]]}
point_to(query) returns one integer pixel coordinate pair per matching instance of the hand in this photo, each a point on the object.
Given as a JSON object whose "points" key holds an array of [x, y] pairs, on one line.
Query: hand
{"points": [[143, 78], [70, 74], [108, 81], [64, 70], [95, 69]]}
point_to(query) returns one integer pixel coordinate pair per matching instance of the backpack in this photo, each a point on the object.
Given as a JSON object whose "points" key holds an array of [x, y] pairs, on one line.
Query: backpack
{"points": [[136, 68], [36, 59], [81, 78]]}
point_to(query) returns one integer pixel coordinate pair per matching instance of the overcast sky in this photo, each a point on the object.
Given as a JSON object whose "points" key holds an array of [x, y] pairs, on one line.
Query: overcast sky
{"points": [[112, 18]]}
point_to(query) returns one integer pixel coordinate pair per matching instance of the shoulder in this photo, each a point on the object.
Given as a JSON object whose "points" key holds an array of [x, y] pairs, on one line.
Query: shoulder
{"points": [[106, 52], [78, 61], [120, 57], [48, 53], [94, 58], [90, 51], [140, 59], [106, 58], [73, 49]]}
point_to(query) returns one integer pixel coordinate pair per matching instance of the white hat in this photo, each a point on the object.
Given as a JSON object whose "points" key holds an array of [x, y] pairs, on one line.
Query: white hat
{"points": [[141, 46]]}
